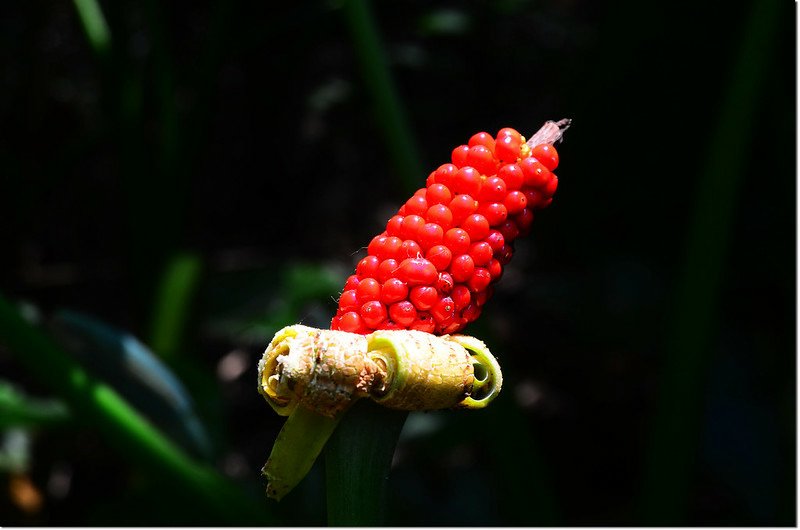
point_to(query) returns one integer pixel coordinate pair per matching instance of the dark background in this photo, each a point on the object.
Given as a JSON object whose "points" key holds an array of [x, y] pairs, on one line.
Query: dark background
{"points": [[646, 328]]}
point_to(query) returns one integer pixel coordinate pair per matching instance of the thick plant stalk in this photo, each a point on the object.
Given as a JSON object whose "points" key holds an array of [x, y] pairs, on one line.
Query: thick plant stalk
{"points": [[358, 458]]}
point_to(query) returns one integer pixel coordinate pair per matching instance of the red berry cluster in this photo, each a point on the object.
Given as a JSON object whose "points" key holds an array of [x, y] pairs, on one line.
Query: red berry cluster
{"points": [[432, 268]]}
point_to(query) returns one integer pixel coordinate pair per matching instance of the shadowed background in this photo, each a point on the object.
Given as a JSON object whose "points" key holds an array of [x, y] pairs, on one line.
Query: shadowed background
{"points": [[198, 175]]}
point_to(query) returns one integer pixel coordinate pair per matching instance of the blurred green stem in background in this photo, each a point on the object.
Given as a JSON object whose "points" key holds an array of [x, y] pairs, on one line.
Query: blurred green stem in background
{"points": [[95, 26], [389, 110], [123, 427], [670, 459], [173, 304]]}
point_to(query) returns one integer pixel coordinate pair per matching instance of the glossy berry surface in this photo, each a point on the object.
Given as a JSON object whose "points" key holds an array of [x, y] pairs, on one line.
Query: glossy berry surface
{"points": [[433, 267]]}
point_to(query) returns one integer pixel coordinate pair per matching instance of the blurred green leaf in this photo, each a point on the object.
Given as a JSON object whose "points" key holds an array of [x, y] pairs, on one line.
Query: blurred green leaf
{"points": [[136, 439], [446, 21], [20, 410], [173, 304], [94, 25], [134, 371], [390, 114]]}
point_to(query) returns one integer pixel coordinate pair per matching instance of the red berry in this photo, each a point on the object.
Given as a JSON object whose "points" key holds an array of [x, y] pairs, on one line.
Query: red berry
{"points": [[440, 256], [423, 322], [393, 290], [411, 225], [387, 269], [481, 158], [373, 313], [494, 212], [431, 179], [514, 202], [459, 156], [495, 269], [482, 138], [504, 254], [368, 289], [481, 297], [410, 249], [368, 267], [416, 205], [393, 225], [376, 243], [351, 282], [445, 173], [547, 155], [493, 190], [348, 300], [443, 310], [467, 181], [417, 271], [351, 321], [507, 148], [480, 279], [524, 219], [388, 324], [438, 194], [445, 283], [461, 206], [536, 198], [550, 187], [457, 240], [441, 215], [512, 175], [388, 247], [509, 131], [403, 313], [423, 297], [461, 267], [536, 175], [429, 235], [509, 230], [471, 312], [481, 252], [495, 240], [461, 296], [476, 226], [453, 325]]}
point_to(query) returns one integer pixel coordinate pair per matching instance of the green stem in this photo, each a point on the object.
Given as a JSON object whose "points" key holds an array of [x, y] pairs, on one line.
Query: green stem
{"points": [[122, 425], [95, 26], [357, 462], [173, 303], [389, 109], [670, 466]]}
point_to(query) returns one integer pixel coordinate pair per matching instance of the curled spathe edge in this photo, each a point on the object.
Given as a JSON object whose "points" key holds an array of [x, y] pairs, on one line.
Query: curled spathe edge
{"points": [[327, 370]]}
